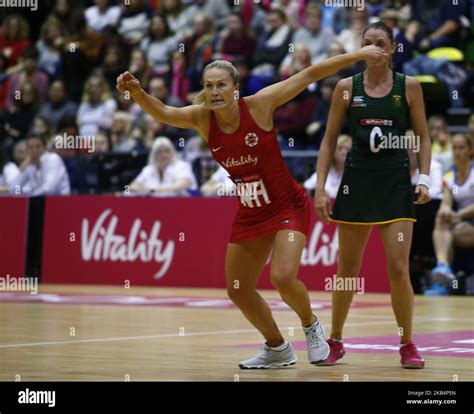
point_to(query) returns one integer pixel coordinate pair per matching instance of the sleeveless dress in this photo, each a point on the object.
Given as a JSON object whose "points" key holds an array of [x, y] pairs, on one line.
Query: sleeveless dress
{"points": [[376, 184], [270, 199]]}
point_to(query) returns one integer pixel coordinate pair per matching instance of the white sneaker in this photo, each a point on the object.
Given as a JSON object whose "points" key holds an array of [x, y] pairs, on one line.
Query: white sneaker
{"points": [[318, 348], [271, 358]]}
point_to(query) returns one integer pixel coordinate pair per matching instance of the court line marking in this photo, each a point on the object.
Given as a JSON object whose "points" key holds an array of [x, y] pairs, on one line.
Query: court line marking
{"points": [[177, 335]]}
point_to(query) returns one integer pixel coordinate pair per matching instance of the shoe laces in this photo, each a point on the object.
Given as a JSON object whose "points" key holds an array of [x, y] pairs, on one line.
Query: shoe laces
{"points": [[313, 339]]}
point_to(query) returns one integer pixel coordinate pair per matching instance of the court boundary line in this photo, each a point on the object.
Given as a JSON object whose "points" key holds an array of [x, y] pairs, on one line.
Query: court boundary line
{"points": [[192, 334]]}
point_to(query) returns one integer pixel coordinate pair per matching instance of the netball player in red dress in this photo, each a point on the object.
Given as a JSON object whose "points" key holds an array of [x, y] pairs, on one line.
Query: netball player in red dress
{"points": [[274, 212]]}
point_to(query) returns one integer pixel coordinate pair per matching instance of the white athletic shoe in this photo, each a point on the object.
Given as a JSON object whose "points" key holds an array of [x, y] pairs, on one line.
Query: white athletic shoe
{"points": [[318, 348], [270, 358]]}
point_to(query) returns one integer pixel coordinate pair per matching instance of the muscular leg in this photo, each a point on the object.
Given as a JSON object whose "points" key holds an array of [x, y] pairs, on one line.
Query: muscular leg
{"points": [[287, 249], [244, 264], [397, 238], [352, 241]]}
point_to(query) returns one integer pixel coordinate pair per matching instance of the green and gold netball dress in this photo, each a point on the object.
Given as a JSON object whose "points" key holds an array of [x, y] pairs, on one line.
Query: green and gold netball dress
{"points": [[376, 186]]}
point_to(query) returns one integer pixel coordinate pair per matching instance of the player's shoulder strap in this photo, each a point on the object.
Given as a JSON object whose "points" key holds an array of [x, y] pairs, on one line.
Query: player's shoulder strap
{"points": [[358, 85], [399, 80]]}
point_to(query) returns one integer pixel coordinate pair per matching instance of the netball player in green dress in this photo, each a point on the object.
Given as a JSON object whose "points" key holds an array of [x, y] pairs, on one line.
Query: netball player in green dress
{"points": [[380, 105]]}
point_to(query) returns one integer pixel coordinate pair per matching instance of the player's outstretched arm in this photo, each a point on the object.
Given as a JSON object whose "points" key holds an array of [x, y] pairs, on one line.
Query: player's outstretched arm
{"points": [[187, 117], [280, 93]]}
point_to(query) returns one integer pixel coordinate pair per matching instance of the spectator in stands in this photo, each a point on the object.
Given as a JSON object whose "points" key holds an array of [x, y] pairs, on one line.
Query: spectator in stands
{"points": [[351, 37], [334, 18], [28, 73], [159, 89], [102, 142], [174, 13], [455, 218], [14, 38], [19, 118], [121, 138], [294, 10], [134, 21], [149, 129], [180, 83], [199, 49], [49, 61], [128, 105], [41, 127], [254, 15], [217, 9], [58, 106], [405, 49], [235, 40], [317, 126], [165, 175], [139, 66], [443, 26], [8, 173], [63, 11], [272, 47], [316, 38], [336, 49], [42, 172], [159, 46], [219, 184], [296, 61], [102, 14], [343, 146], [81, 50], [19, 152], [113, 64], [97, 108], [441, 141]]}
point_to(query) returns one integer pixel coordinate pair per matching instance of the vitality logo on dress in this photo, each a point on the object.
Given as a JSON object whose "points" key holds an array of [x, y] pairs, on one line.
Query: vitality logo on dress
{"points": [[251, 139], [232, 162]]}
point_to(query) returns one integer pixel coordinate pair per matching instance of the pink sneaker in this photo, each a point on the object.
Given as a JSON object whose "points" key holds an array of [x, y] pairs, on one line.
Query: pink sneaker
{"points": [[410, 358], [336, 351]]}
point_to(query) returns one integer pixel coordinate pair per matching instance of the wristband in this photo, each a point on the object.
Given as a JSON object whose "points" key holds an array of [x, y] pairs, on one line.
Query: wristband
{"points": [[424, 180]]}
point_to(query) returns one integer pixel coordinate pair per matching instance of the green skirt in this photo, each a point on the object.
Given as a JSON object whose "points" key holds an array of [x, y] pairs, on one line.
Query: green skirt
{"points": [[374, 196]]}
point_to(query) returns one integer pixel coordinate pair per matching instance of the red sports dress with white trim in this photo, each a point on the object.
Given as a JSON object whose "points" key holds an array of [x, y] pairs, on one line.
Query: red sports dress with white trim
{"points": [[270, 199]]}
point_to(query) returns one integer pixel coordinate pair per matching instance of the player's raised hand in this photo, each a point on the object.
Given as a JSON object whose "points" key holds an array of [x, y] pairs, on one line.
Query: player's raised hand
{"points": [[127, 82]]}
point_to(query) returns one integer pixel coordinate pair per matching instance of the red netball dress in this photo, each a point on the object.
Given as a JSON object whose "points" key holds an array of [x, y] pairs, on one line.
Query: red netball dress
{"points": [[270, 199]]}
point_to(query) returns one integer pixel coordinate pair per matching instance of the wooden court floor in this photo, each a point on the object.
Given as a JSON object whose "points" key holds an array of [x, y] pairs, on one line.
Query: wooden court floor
{"points": [[68, 333]]}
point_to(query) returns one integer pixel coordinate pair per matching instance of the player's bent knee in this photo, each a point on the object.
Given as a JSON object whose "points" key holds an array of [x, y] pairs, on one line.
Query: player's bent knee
{"points": [[282, 279], [238, 295]]}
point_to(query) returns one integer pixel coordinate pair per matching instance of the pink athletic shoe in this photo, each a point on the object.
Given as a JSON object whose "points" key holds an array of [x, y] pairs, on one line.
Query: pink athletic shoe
{"points": [[336, 351], [410, 358]]}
